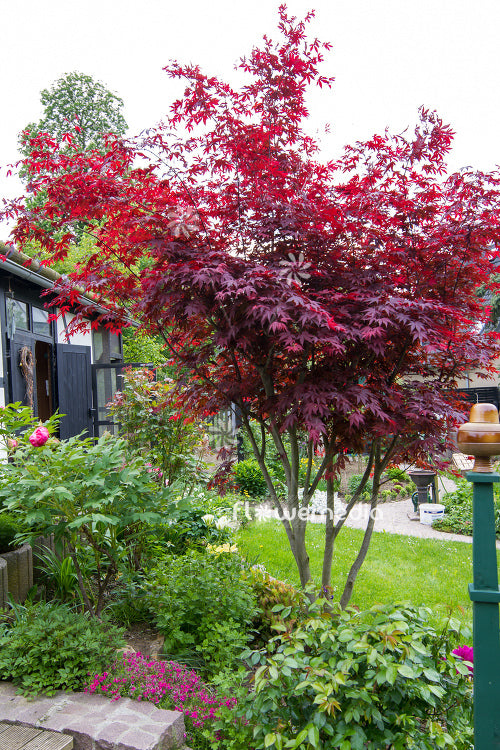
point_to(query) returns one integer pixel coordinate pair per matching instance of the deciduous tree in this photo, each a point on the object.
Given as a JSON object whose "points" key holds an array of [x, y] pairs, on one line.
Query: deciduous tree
{"points": [[77, 99], [332, 301]]}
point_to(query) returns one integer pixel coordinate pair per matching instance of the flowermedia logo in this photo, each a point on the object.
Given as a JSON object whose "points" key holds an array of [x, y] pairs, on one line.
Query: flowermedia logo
{"points": [[260, 513], [294, 270]]}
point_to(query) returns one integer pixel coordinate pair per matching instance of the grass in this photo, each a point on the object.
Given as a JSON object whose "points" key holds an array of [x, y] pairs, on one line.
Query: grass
{"points": [[425, 572]]}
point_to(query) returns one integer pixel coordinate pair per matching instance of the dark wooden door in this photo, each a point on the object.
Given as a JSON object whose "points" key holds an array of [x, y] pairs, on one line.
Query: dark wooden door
{"points": [[74, 389], [22, 388]]}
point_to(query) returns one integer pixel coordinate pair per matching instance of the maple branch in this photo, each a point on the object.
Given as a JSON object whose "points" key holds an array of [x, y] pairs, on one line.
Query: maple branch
{"points": [[357, 494], [401, 358], [269, 390], [360, 557], [308, 471], [268, 479], [293, 485], [328, 457]]}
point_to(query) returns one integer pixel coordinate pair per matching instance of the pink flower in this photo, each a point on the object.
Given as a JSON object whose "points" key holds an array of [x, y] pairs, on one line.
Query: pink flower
{"points": [[39, 437], [466, 653], [12, 444]]}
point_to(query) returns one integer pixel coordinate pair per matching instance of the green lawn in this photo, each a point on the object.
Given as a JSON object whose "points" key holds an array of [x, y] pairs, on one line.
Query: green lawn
{"points": [[397, 568]]}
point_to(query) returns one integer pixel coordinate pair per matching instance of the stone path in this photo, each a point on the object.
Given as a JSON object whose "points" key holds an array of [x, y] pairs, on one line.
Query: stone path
{"points": [[95, 722]]}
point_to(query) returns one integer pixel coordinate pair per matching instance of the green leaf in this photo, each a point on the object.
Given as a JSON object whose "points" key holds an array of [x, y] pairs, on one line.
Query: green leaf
{"points": [[406, 671], [437, 690], [298, 739], [432, 675], [269, 739], [313, 734], [345, 635], [273, 672], [391, 673]]}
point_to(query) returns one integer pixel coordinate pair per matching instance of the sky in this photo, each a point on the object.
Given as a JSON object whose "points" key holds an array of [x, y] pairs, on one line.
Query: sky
{"points": [[389, 57]]}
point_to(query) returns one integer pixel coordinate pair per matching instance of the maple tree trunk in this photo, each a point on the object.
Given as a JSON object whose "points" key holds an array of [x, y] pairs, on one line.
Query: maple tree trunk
{"points": [[360, 558], [329, 534], [297, 540]]}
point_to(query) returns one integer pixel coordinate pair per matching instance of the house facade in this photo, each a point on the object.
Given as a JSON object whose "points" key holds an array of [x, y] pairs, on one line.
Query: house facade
{"points": [[40, 364]]}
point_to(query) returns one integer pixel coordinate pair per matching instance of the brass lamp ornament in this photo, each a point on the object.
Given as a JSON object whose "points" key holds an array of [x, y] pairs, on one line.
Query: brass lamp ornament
{"points": [[480, 436]]}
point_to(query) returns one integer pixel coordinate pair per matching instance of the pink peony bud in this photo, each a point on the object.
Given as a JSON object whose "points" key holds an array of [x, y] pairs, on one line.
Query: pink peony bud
{"points": [[12, 444], [39, 437]]}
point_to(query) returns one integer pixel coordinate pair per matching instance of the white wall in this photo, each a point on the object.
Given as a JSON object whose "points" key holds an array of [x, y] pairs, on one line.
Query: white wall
{"points": [[82, 338]]}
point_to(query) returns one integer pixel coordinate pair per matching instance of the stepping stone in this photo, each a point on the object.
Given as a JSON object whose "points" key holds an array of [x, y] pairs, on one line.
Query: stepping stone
{"points": [[14, 737]]}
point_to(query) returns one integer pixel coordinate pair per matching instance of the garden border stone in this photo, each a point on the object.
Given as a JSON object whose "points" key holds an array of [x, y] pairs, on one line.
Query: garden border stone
{"points": [[4, 584], [19, 571], [96, 722]]}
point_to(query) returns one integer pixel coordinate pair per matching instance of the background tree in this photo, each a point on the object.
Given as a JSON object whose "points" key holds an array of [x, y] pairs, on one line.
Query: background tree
{"points": [[80, 109], [78, 104], [333, 302]]}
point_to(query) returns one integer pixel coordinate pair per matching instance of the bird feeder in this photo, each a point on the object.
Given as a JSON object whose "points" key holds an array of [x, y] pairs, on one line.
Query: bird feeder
{"points": [[480, 436], [422, 478]]}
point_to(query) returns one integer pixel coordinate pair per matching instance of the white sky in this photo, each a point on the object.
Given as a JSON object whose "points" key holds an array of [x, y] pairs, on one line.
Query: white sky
{"points": [[388, 57]]}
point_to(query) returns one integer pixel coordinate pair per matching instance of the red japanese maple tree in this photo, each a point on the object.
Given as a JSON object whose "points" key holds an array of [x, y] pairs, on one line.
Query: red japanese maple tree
{"points": [[334, 302]]}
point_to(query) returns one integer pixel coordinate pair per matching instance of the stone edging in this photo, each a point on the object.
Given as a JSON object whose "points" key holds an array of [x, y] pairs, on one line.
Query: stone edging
{"points": [[19, 572], [96, 722]]}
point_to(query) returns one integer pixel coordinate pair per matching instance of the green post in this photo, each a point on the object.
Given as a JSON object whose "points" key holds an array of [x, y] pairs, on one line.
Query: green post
{"points": [[485, 596]]}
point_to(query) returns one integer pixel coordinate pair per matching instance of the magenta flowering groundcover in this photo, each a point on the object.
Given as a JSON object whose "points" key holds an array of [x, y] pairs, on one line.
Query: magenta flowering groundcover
{"points": [[167, 684]]}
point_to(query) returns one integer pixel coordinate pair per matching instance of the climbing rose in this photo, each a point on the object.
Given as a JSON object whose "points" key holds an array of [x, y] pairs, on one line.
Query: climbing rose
{"points": [[39, 437]]}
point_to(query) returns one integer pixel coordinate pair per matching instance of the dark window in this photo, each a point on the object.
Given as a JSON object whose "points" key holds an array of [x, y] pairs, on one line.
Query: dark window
{"points": [[17, 316], [41, 323]]}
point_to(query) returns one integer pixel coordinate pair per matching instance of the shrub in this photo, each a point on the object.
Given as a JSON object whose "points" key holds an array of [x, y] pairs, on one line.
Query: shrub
{"points": [[9, 527], [50, 648], [456, 521], [458, 509], [188, 595], [395, 474], [89, 494], [348, 679], [152, 424], [353, 483], [249, 478], [191, 527], [278, 602]]}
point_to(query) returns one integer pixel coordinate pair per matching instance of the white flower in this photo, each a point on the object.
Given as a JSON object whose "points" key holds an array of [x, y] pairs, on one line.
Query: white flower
{"points": [[222, 523]]}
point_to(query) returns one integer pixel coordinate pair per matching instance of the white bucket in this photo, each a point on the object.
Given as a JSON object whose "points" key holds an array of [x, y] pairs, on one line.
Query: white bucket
{"points": [[429, 512]]}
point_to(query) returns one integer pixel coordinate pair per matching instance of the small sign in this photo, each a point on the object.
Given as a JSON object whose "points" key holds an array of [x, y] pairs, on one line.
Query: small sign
{"points": [[463, 462]]}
